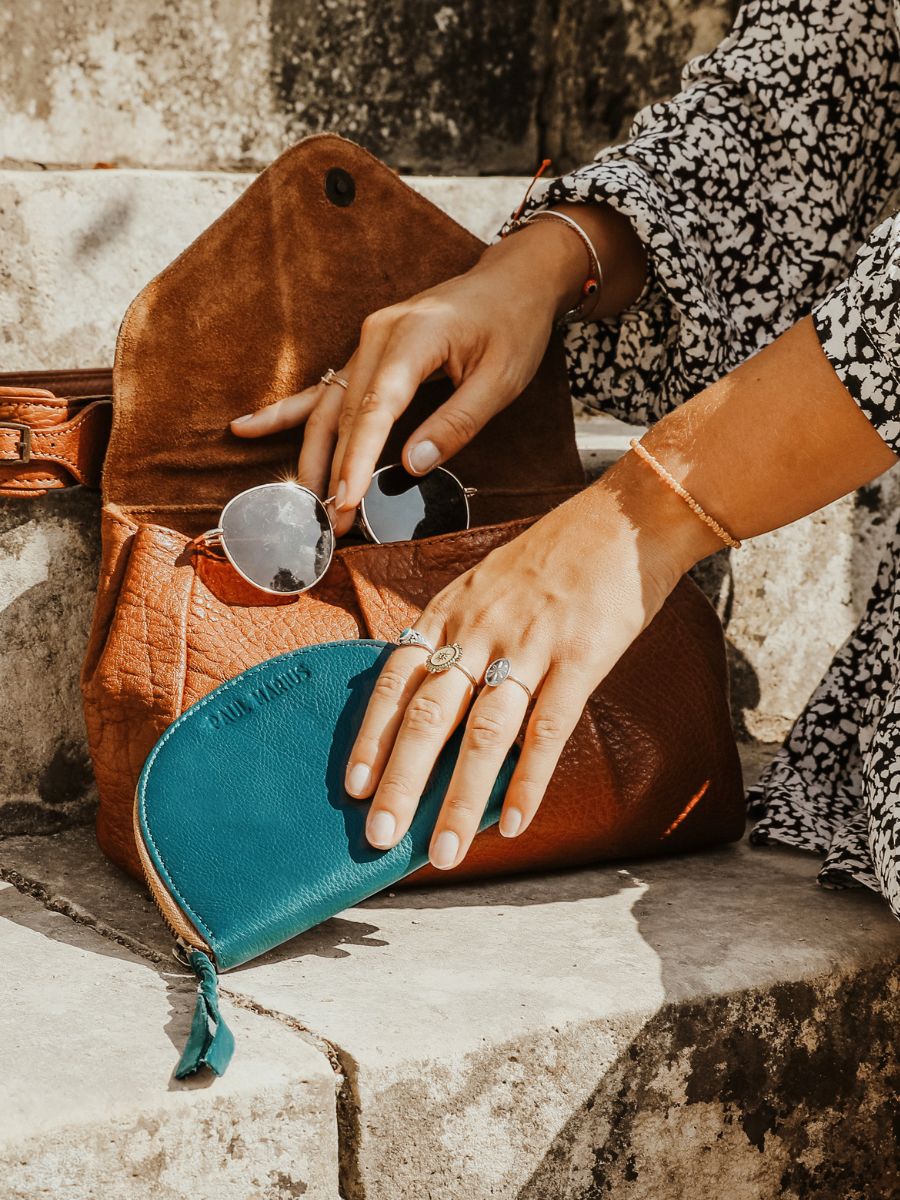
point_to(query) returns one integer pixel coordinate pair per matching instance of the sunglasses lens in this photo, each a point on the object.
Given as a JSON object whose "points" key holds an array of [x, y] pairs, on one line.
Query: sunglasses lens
{"points": [[399, 506], [278, 535]]}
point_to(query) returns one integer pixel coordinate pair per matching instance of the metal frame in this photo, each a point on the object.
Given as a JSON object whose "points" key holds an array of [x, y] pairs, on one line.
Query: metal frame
{"points": [[215, 537], [366, 528]]}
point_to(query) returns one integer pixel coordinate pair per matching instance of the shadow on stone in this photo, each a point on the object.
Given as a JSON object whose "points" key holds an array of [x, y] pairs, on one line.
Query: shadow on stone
{"points": [[771, 1075], [715, 576], [180, 985], [49, 551]]}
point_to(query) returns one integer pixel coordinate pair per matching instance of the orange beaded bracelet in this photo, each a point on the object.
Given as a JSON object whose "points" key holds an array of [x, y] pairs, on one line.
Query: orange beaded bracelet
{"points": [[655, 465]]}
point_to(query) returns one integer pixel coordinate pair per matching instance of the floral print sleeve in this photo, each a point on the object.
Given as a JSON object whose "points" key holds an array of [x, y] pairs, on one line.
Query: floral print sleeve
{"points": [[753, 189], [858, 324]]}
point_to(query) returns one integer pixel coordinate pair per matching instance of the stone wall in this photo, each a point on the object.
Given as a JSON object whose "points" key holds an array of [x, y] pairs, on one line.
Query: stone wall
{"points": [[466, 87]]}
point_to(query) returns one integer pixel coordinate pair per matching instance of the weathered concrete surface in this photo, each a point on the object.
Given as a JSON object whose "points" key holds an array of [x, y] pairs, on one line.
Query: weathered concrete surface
{"points": [[637, 1033], [707, 1026], [79, 245], [49, 556], [90, 1035], [466, 87]]}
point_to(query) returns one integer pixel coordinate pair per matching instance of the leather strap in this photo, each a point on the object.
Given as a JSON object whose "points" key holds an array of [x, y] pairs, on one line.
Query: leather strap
{"points": [[54, 428]]}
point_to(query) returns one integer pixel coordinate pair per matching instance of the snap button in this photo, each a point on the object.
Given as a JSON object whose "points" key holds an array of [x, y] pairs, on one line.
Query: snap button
{"points": [[340, 187]]}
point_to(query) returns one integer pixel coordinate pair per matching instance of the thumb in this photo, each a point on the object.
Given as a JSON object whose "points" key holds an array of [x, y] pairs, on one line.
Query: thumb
{"points": [[456, 422]]}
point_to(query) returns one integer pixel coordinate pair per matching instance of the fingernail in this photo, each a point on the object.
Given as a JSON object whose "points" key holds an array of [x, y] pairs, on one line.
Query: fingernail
{"points": [[510, 822], [381, 828], [245, 417], [340, 496], [423, 456], [445, 850], [358, 779]]}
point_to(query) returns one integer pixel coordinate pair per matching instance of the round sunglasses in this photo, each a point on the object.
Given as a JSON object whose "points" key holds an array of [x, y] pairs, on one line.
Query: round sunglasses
{"points": [[279, 536]]}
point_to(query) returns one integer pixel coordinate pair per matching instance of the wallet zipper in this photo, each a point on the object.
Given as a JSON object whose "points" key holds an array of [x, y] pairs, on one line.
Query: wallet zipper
{"points": [[210, 1042], [179, 926]]}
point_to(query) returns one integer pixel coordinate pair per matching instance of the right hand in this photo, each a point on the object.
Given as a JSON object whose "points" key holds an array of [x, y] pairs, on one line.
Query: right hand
{"points": [[487, 330]]}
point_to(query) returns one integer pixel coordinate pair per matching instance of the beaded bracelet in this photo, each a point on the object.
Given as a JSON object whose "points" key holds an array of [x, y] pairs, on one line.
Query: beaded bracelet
{"points": [[655, 465]]}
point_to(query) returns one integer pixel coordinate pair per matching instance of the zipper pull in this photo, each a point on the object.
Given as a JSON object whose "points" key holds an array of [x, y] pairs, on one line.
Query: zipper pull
{"points": [[210, 1042]]}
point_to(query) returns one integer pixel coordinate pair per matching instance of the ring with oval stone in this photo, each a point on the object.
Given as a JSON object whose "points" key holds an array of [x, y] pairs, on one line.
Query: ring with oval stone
{"points": [[444, 658], [412, 637], [498, 672]]}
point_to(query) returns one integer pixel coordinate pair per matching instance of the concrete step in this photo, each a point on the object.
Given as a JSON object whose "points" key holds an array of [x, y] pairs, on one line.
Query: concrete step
{"points": [[90, 1033], [667, 1029]]}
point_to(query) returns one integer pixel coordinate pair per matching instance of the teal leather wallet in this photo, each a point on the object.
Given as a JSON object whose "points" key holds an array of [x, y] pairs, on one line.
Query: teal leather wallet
{"points": [[245, 832]]}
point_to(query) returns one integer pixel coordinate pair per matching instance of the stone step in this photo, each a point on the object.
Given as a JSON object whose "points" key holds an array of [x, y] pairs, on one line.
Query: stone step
{"points": [[91, 1032], [653, 1030], [78, 245]]}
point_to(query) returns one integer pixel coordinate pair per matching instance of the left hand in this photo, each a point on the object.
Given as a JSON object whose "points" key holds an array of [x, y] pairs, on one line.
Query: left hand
{"points": [[562, 602]]}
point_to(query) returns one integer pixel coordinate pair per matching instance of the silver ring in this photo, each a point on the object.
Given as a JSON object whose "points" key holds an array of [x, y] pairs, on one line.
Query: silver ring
{"points": [[446, 657], [498, 672], [412, 637], [331, 376]]}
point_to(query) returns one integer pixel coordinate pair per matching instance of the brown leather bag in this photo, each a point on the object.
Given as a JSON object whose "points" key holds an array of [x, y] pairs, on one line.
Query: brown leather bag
{"points": [[258, 307]]}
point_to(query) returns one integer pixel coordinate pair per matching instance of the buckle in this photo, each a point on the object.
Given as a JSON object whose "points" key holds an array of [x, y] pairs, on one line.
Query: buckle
{"points": [[24, 451]]}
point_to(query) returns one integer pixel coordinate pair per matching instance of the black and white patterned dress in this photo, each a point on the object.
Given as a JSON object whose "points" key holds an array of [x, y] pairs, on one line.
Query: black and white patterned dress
{"points": [[760, 192]]}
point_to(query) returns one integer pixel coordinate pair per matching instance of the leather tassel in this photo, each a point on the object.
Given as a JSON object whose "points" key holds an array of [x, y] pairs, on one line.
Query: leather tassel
{"points": [[210, 1042]]}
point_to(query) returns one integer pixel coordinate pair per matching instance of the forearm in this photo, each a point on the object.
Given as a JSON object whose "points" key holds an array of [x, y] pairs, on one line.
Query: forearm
{"points": [[773, 440]]}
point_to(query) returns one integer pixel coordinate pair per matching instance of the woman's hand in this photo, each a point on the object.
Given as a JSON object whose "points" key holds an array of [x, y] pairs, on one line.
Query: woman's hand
{"points": [[562, 602], [462, 327], [487, 330], [565, 599]]}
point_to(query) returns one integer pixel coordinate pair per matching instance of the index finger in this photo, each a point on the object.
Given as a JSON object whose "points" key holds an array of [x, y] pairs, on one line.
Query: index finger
{"points": [[371, 412], [401, 676]]}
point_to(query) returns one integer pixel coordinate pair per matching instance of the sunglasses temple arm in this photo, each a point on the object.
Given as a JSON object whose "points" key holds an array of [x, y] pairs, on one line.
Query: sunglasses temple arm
{"points": [[209, 540]]}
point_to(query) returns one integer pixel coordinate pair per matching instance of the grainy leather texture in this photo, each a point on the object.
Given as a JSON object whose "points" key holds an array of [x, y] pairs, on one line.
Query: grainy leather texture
{"points": [[242, 808], [67, 414], [267, 298]]}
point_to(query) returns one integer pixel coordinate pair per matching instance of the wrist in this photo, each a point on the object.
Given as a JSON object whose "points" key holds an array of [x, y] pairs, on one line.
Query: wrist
{"points": [[621, 253], [545, 258], [557, 261], [668, 531]]}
